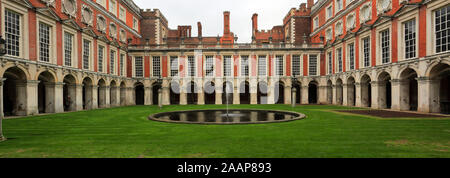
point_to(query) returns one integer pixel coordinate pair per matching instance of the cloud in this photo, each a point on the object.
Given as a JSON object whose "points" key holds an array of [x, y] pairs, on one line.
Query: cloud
{"points": [[210, 14]]}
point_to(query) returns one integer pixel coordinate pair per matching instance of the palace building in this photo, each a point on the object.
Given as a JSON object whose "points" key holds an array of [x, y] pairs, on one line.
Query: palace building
{"points": [[72, 55]]}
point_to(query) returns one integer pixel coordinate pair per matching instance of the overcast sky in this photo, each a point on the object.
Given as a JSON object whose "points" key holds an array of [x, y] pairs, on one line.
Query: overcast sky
{"points": [[210, 14]]}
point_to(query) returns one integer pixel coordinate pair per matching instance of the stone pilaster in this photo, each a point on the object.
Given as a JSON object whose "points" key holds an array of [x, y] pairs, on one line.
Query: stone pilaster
{"points": [[148, 96], [360, 100], [304, 95]]}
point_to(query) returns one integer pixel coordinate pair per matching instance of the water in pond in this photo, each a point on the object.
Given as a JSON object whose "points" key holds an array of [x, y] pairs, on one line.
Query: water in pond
{"points": [[224, 117]]}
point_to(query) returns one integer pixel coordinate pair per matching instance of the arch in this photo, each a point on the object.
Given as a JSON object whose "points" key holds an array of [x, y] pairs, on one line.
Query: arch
{"points": [[46, 92], [313, 92], [329, 92], [48, 75], [69, 93], [227, 95], [13, 69], [175, 93], [339, 92], [123, 89], [13, 100], [298, 95], [440, 85], [408, 90], [210, 92], [244, 93], [384, 90], [87, 98], [101, 93], [155, 93], [351, 91], [262, 92], [279, 93], [139, 93], [434, 67], [113, 93], [366, 91]]}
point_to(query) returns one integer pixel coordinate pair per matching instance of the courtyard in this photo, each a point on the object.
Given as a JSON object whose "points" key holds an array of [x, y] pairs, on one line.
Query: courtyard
{"points": [[126, 132]]}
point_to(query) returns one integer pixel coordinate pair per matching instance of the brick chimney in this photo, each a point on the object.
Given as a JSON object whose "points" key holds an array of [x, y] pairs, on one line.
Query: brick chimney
{"points": [[310, 3], [199, 27], [255, 22], [226, 23]]}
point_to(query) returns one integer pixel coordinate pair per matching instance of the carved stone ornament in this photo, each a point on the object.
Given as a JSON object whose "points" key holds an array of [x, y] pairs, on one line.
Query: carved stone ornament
{"points": [[69, 7], [87, 15], [101, 23], [351, 21], [366, 12], [112, 30], [383, 6], [339, 28], [49, 2]]}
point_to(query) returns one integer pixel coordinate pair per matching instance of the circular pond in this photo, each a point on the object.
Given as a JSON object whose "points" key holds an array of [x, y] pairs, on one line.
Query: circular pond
{"points": [[227, 117]]}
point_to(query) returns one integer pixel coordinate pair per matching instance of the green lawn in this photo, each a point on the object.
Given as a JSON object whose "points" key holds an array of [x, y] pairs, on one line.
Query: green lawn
{"points": [[126, 133]]}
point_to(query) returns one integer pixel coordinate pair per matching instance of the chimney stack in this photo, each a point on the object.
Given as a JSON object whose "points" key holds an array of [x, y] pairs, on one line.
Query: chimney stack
{"points": [[255, 22], [199, 26], [310, 3], [226, 23]]}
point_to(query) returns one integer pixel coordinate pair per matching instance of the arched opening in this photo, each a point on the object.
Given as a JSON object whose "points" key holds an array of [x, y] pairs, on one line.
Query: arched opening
{"points": [[262, 93], [385, 91], [329, 92], [366, 91], [123, 89], [210, 93], [312, 92], [298, 94], [192, 93], [139, 93], [351, 92], [339, 92], [279, 93], [69, 93], [409, 90], [87, 93], [46, 92], [174, 93], [155, 94], [244, 93], [227, 95], [101, 94], [113, 93], [13, 89], [440, 87]]}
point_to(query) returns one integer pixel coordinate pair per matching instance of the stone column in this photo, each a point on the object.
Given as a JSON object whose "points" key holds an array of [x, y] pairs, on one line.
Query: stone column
{"points": [[322, 90], [113, 96], [200, 93], [428, 99], [58, 97], [253, 91], [148, 96], [294, 97], [107, 96], [219, 93], [361, 98], [271, 93], [123, 96], [335, 97], [287, 94], [183, 94], [27, 98], [396, 94], [165, 92], [2, 115], [95, 97], [345, 97], [236, 95], [102, 97], [77, 102], [378, 95], [304, 95], [129, 100]]}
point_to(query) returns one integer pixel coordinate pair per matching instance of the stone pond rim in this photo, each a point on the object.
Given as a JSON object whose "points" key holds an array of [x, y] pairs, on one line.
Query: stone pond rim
{"points": [[243, 115]]}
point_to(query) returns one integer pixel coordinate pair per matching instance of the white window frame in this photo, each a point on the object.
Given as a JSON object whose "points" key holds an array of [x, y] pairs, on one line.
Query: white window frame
{"points": [[361, 50], [52, 33], [347, 53], [122, 63], [122, 16], [102, 64], [141, 67], [299, 64], [112, 62], [329, 15], [276, 58], [259, 65], [114, 8], [66, 29], [378, 49], [431, 26], [159, 66], [317, 65]]}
